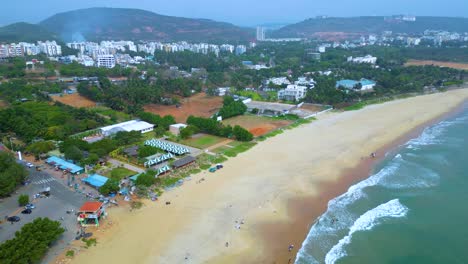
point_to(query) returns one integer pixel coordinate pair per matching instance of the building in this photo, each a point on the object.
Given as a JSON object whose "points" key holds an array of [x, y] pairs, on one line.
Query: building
{"points": [[366, 59], [241, 49], [183, 162], [361, 85], [292, 93], [222, 91], [176, 128], [278, 81], [260, 33], [106, 61], [64, 165], [96, 180], [133, 125], [90, 213]]}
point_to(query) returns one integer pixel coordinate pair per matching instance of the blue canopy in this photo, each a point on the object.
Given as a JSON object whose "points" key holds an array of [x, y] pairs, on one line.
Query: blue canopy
{"points": [[96, 180], [64, 165]]}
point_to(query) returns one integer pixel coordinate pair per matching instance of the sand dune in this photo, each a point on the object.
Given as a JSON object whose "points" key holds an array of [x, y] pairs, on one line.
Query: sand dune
{"points": [[256, 187]]}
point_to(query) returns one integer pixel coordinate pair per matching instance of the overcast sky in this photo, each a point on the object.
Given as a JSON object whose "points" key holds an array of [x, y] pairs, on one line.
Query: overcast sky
{"points": [[240, 12]]}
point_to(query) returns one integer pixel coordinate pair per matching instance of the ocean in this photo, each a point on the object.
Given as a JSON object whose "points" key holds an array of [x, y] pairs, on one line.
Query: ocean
{"points": [[410, 210]]}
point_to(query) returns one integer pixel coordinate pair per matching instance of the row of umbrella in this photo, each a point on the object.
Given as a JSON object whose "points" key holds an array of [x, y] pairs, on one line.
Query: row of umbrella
{"points": [[159, 159], [169, 147]]}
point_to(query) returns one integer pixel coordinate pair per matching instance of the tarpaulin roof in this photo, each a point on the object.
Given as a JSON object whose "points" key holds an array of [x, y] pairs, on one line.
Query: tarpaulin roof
{"points": [[96, 180], [64, 165]]}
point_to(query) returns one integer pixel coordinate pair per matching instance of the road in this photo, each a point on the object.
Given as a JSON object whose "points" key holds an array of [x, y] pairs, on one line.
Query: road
{"points": [[54, 207]]}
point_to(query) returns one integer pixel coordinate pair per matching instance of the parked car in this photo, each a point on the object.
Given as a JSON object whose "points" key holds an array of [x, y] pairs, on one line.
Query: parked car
{"points": [[26, 211], [29, 165], [13, 219], [30, 206]]}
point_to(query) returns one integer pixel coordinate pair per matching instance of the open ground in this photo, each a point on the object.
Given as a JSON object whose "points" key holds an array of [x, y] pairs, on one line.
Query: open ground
{"points": [[197, 105], [75, 100], [203, 141], [257, 125], [454, 65]]}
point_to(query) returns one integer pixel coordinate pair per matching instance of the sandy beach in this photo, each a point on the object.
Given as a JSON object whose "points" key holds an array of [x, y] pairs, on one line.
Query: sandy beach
{"points": [[276, 189]]}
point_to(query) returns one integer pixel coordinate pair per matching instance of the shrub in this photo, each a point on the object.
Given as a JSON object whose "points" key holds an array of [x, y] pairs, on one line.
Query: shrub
{"points": [[23, 199]]}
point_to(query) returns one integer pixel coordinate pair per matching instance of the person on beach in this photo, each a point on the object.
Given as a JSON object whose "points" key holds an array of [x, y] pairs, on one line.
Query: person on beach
{"points": [[227, 244], [290, 247]]}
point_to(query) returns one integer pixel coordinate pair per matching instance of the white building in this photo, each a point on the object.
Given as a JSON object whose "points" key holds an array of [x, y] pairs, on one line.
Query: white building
{"points": [[366, 59], [278, 81], [133, 125], [292, 93], [50, 48], [106, 61], [222, 91], [303, 81], [260, 33]]}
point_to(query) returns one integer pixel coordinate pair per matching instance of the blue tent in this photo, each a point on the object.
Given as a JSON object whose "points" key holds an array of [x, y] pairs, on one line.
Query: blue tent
{"points": [[96, 180], [65, 165]]}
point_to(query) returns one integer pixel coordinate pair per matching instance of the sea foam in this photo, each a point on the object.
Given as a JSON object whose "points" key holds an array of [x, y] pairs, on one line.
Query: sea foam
{"points": [[371, 218]]}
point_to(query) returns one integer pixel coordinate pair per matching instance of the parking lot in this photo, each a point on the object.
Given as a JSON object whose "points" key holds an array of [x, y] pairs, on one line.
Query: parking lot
{"points": [[54, 207]]}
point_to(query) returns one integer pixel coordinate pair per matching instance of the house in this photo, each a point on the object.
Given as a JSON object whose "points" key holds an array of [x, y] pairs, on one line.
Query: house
{"points": [[131, 151], [183, 162], [176, 128], [133, 125], [278, 81], [292, 93], [361, 85], [222, 91], [90, 213]]}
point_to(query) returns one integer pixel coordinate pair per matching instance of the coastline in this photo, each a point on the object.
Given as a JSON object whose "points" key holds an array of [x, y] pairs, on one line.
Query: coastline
{"points": [[272, 186], [304, 210]]}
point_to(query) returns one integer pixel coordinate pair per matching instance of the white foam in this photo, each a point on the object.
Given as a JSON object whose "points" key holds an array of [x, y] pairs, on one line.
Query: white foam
{"points": [[371, 218], [431, 135]]}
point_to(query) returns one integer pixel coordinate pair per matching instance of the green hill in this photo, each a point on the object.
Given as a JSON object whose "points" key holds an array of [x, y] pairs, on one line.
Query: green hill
{"points": [[376, 24], [97, 24], [24, 32]]}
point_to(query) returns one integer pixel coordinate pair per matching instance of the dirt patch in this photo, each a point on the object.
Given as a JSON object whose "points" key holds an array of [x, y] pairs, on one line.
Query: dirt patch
{"points": [[197, 105], [75, 100], [3, 104], [454, 65], [257, 125]]}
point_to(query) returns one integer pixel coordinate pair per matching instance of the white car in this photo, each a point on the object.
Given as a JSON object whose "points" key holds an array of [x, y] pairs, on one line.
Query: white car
{"points": [[29, 164]]}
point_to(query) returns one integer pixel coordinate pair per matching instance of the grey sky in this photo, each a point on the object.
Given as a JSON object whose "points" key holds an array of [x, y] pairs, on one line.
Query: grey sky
{"points": [[240, 12]]}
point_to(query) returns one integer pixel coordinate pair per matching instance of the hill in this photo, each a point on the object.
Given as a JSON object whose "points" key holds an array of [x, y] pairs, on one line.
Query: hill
{"points": [[24, 32], [97, 24], [316, 27]]}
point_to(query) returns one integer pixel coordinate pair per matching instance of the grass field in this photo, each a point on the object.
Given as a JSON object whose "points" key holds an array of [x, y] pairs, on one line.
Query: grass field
{"points": [[75, 100], [202, 142], [120, 173], [257, 125]]}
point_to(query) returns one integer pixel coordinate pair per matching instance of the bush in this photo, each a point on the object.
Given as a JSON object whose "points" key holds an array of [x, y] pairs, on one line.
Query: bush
{"points": [[70, 253], [188, 131], [11, 174], [23, 199], [146, 179], [232, 108]]}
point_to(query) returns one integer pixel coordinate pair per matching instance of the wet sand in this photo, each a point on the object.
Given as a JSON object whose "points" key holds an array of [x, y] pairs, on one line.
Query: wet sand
{"points": [[278, 188]]}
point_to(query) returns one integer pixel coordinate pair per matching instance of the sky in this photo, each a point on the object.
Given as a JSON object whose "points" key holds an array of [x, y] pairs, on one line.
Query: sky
{"points": [[239, 12]]}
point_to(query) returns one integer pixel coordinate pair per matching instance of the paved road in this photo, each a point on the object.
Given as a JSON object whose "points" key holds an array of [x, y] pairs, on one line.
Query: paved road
{"points": [[53, 207]]}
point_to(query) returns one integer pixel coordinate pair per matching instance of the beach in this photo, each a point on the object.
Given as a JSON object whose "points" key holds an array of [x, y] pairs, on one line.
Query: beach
{"points": [[268, 197]]}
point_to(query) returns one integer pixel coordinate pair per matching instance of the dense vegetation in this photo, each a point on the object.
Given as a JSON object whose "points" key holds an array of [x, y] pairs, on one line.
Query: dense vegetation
{"points": [[30, 243], [11, 174], [232, 108], [33, 120], [213, 127], [24, 32], [20, 89]]}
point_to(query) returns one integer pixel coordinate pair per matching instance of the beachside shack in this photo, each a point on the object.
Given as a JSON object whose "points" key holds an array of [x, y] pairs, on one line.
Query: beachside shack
{"points": [[96, 180], [90, 214], [64, 165]]}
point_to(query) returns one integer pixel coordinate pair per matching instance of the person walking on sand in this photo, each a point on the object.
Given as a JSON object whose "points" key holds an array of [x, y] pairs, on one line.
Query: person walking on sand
{"points": [[290, 247]]}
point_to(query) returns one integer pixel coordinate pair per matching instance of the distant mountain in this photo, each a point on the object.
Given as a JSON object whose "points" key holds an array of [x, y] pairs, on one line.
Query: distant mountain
{"points": [[316, 27], [97, 24], [24, 32]]}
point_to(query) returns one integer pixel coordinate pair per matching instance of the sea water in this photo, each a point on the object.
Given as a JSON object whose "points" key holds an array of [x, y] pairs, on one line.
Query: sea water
{"points": [[412, 209]]}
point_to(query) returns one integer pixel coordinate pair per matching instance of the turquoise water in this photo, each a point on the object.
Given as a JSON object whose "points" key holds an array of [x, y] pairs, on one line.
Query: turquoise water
{"points": [[413, 209]]}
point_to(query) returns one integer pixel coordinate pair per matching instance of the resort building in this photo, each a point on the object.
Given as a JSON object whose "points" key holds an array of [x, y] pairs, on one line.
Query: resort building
{"points": [[292, 93], [361, 85], [133, 125], [366, 59], [176, 128], [90, 213]]}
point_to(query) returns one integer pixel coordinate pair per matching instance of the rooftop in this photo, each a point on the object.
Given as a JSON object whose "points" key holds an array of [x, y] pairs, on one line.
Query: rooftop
{"points": [[64, 165], [90, 207], [132, 125], [183, 161]]}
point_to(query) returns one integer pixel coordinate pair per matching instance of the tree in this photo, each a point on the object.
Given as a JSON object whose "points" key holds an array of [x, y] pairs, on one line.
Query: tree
{"points": [[73, 153], [93, 158], [146, 179], [232, 108], [23, 199], [111, 186], [11, 174], [188, 131], [126, 138], [40, 147], [30, 243], [242, 134]]}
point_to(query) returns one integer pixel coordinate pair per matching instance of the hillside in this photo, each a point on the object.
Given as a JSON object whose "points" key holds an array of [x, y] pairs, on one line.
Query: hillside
{"points": [[316, 27], [25, 32], [96, 24]]}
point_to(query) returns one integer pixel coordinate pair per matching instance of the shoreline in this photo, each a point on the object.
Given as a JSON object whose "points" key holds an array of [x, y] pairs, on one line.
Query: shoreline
{"points": [[271, 187], [303, 211]]}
